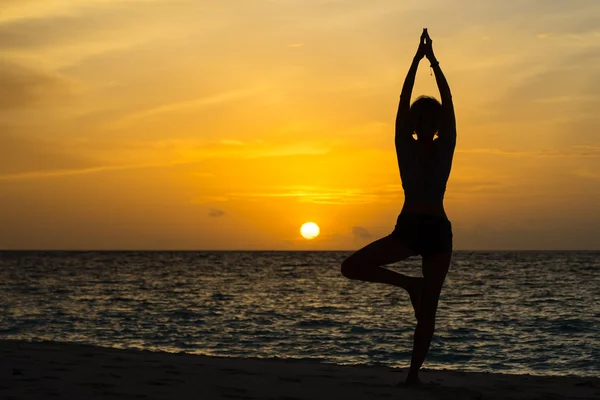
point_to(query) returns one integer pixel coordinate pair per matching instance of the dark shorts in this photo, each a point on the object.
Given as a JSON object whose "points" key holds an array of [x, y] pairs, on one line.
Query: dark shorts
{"points": [[424, 233]]}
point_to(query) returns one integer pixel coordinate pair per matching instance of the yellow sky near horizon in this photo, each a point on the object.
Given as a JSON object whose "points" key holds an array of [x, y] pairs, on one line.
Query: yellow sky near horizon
{"points": [[182, 124]]}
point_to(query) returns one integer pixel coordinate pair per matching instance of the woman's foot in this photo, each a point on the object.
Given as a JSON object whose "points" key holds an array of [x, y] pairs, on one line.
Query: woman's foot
{"points": [[412, 380], [415, 292]]}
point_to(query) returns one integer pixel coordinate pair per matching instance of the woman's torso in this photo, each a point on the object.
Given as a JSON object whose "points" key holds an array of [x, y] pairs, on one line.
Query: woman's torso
{"points": [[424, 170]]}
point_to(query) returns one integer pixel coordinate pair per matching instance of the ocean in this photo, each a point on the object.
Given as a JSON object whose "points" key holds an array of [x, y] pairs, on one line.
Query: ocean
{"points": [[533, 312]]}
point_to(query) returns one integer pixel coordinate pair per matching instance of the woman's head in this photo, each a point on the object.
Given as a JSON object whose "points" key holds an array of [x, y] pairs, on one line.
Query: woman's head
{"points": [[425, 112]]}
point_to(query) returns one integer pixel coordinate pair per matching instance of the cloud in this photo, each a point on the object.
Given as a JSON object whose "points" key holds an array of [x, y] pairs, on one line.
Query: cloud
{"points": [[209, 199], [576, 151], [283, 150], [59, 34], [458, 186], [35, 33], [204, 174], [66, 172], [227, 148], [74, 25], [316, 195], [587, 173], [565, 89], [17, 10], [23, 87], [22, 156], [32, 157], [358, 232], [232, 142], [215, 212], [189, 105], [35, 158]]}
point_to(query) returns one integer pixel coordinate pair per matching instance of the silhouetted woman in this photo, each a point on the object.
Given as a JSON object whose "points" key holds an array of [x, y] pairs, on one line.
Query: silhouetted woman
{"points": [[422, 227]]}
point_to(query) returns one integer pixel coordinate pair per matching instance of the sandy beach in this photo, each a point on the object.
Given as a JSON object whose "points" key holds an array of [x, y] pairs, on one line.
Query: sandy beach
{"points": [[69, 371]]}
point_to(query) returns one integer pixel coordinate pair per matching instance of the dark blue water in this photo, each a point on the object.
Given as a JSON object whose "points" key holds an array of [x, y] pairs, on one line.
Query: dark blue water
{"points": [[517, 312]]}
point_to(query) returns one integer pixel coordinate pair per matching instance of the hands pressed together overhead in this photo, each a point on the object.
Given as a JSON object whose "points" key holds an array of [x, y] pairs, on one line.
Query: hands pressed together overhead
{"points": [[425, 47]]}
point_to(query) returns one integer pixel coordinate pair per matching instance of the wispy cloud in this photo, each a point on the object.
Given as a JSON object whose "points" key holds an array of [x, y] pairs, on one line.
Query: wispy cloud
{"points": [[189, 105], [23, 87], [209, 199], [316, 195], [578, 151], [564, 89], [18, 10], [215, 212], [26, 155], [67, 172], [461, 186], [288, 243], [358, 232], [59, 33], [204, 174], [587, 173], [31, 158], [282, 150], [232, 142]]}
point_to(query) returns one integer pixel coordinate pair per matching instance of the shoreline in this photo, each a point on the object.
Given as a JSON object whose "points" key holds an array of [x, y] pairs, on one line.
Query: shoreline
{"points": [[48, 369]]}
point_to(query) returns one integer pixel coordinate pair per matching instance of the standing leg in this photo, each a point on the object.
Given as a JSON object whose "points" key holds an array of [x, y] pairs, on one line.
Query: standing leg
{"points": [[365, 264], [435, 268]]}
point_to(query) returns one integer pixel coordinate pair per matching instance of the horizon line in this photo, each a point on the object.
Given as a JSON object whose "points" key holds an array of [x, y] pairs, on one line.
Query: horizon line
{"points": [[265, 250]]}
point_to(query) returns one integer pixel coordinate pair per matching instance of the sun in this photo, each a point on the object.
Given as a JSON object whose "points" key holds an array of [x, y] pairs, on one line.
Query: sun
{"points": [[310, 230]]}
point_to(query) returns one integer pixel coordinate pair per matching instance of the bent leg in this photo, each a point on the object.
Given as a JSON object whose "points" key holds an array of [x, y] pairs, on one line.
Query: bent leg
{"points": [[365, 264], [435, 269]]}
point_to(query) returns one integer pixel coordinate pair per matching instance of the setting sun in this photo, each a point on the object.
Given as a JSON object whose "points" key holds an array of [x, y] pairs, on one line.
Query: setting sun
{"points": [[310, 230]]}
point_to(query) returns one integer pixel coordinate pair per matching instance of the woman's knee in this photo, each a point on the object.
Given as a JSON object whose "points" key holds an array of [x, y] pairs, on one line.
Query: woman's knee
{"points": [[350, 269]]}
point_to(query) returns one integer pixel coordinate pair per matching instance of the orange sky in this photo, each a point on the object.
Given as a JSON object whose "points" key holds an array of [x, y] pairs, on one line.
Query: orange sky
{"points": [[208, 124]]}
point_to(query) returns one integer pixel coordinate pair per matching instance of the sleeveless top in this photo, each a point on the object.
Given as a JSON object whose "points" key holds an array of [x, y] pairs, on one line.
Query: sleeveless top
{"points": [[425, 174]]}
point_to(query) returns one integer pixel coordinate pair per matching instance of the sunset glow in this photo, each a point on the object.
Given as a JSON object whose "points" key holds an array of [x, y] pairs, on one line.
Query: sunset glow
{"points": [[229, 123]]}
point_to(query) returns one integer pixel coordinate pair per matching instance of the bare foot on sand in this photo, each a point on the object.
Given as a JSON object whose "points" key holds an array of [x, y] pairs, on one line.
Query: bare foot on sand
{"points": [[415, 295], [410, 381]]}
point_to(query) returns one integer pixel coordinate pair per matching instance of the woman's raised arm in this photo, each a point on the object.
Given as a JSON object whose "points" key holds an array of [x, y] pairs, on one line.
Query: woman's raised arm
{"points": [[449, 120], [403, 121]]}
